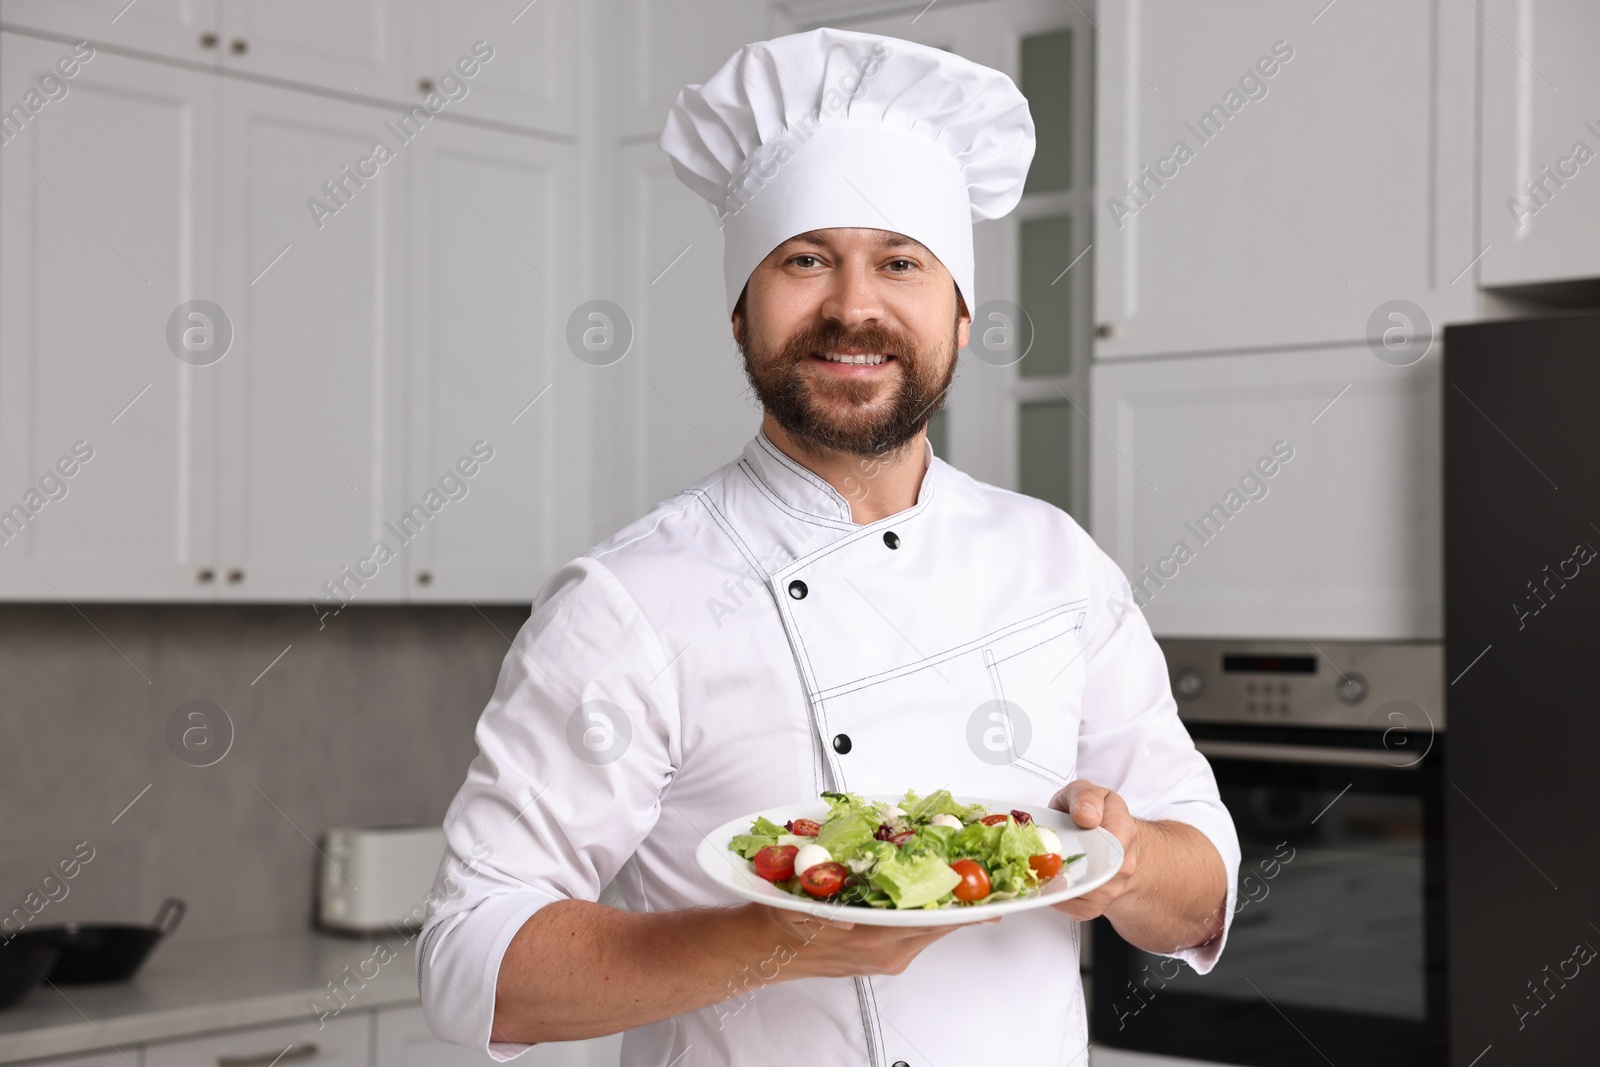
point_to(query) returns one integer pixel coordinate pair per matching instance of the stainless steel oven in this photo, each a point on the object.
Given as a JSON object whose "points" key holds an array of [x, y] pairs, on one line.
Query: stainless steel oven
{"points": [[1330, 758]]}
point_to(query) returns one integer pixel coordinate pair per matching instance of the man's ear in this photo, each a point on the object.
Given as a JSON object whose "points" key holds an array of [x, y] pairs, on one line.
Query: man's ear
{"points": [[963, 321], [737, 317]]}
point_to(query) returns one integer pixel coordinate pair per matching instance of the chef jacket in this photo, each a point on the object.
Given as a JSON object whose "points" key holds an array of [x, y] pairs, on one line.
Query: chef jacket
{"points": [[747, 645]]}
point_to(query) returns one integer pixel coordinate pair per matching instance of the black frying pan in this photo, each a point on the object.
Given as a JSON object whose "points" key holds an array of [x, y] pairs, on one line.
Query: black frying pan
{"points": [[105, 952], [23, 963]]}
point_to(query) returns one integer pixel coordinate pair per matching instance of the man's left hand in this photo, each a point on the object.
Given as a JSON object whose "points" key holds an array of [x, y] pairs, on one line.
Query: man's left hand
{"points": [[1092, 805]]}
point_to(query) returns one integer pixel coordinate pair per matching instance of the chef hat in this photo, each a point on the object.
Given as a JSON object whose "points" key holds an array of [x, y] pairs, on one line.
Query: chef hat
{"points": [[840, 128]]}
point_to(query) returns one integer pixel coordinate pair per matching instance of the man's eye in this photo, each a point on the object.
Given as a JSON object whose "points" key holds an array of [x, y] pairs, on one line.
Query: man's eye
{"points": [[804, 255], [907, 262]]}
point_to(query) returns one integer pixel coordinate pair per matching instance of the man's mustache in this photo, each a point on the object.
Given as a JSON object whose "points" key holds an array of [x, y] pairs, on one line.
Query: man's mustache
{"points": [[832, 338]]}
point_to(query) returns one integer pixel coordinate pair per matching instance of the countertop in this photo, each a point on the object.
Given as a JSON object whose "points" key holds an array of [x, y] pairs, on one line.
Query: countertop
{"points": [[196, 987]]}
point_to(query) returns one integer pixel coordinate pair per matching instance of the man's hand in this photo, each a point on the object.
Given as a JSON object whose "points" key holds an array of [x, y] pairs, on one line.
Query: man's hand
{"points": [[808, 947], [1170, 892], [1092, 805]]}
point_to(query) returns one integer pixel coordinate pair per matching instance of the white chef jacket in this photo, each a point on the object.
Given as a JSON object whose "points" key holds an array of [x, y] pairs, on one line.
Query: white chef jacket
{"points": [[749, 646]]}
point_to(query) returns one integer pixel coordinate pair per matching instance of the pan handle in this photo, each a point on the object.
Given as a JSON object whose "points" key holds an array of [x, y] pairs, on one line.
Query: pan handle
{"points": [[170, 915]]}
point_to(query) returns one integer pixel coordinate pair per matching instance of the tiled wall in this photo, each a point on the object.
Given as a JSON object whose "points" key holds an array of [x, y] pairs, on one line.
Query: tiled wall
{"points": [[365, 722]]}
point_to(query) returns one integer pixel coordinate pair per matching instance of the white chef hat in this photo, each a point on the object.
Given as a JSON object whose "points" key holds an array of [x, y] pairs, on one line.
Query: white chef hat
{"points": [[840, 128]]}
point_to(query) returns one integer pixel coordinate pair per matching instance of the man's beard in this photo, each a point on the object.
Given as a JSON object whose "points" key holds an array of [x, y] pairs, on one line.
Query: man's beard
{"points": [[786, 389]]}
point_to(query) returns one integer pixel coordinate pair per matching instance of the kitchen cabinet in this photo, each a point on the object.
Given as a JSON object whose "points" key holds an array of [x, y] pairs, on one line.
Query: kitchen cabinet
{"points": [[311, 399], [404, 1040], [494, 269], [342, 1042], [676, 405], [275, 460], [660, 48], [1302, 486], [531, 79], [188, 30], [356, 46], [1269, 175], [88, 289], [130, 1056], [1540, 207]]}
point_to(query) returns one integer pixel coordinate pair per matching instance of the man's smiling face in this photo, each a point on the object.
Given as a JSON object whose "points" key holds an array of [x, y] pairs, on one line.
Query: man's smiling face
{"points": [[849, 338]]}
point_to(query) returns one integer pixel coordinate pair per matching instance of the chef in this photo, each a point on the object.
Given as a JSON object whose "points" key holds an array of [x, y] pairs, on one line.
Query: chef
{"points": [[837, 609]]}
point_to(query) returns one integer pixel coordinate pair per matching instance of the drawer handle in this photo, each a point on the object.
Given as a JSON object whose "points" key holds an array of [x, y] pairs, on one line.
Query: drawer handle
{"points": [[305, 1051]]}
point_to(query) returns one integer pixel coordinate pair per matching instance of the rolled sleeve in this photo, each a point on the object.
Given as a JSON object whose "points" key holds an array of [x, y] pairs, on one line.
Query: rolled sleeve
{"points": [[575, 749], [1132, 741]]}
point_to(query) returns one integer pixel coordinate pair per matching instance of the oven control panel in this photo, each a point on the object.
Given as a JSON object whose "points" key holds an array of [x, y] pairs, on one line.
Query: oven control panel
{"points": [[1346, 684]]}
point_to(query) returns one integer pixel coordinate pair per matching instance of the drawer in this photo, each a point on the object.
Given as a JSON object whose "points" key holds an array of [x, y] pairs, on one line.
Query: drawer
{"points": [[338, 1043]]}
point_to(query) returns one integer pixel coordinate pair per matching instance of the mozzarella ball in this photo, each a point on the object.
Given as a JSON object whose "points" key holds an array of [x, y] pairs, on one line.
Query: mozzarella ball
{"points": [[809, 856], [943, 819], [1052, 843]]}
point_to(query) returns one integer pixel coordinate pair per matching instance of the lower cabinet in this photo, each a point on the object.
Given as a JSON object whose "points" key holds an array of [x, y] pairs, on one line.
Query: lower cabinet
{"points": [[404, 1040], [388, 1037], [336, 1043]]}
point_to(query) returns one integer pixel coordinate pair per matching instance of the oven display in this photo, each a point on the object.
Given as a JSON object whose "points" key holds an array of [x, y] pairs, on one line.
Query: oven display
{"points": [[1241, 663]]}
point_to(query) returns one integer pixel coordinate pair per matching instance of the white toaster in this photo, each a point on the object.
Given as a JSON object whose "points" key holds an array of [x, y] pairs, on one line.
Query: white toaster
{"points": [[377, 879]]}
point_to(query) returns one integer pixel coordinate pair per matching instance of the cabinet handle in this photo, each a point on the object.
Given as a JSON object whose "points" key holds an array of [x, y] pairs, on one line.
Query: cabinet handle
{"points": [[425, 85], [305, 1051], [235, 576], [208, 40], [424, 577], [204, 574], [1105, 329], [239, 46]]}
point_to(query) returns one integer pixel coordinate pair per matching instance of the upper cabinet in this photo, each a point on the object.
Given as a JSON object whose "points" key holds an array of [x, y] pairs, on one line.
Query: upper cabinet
{"points": [[496, 393], [506, 62], [353, 46], [312, 393], [106, 406], [1274, 494], [1269, 175], [658, 48], [190, 30], [1541, 138]]}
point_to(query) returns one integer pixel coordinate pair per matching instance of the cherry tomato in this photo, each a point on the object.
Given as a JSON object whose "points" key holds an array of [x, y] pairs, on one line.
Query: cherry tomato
{"points": [[1046, 866], [899, 840], [804, 827], [1021, 816], [974, 880], [992, 820], [775, 863], [823, 879]]}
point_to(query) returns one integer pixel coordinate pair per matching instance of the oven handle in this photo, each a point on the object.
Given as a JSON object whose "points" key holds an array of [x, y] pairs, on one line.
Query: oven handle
{"points": [[1269, 753]]}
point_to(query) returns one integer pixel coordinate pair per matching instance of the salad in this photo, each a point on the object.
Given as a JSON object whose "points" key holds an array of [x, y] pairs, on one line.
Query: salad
{"points": [[925, 852]]}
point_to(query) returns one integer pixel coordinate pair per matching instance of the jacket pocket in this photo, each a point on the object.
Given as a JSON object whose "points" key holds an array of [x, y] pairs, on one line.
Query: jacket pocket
{"points": [[1036, 676]]}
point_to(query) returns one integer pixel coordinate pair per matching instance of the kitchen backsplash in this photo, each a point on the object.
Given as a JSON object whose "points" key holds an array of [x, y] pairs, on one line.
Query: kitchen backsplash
{"points": [[367, 721]]}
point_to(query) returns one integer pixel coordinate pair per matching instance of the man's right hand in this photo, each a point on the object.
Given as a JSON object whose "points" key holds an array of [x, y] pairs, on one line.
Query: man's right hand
{"points": [[838, 948]]}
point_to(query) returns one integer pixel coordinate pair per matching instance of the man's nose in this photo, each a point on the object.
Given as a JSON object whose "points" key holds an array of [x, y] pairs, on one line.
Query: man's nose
{"points": [[853, 296]]}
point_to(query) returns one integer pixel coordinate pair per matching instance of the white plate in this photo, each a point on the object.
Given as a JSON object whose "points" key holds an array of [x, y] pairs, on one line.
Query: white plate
{"points": [[1102, 859]]}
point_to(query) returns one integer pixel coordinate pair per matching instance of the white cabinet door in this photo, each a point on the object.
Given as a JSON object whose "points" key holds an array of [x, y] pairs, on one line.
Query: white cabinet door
{"points": [[656, 49], [336, 1043], [127, 1056], [494, 255], [1541, 141], [678, 405], [531, 76], [1302, 487], [182, 29], [313, 277], [1325, 168], [354, 46], [106, 206], [404, 1040]]}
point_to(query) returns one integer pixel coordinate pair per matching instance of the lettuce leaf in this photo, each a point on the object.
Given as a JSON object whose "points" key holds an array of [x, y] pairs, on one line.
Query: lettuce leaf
{"points": [[914, 881]]}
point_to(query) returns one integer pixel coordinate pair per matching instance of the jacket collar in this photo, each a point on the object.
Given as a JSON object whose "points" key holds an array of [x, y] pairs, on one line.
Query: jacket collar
{"points": [[801, 490]]}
